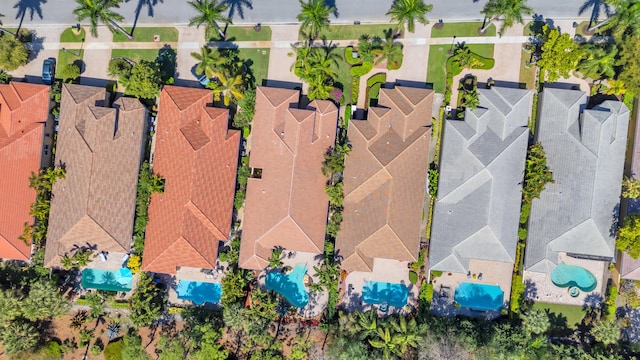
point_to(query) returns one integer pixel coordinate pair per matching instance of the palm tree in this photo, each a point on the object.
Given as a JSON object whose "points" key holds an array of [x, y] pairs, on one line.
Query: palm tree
{"points": [[387, 343], [606, 332], [471, 99], [209, 14], [100, 10], [314, 16], [406, 333], [387, 50], [616, 87], [608, 4], [599, 62], [625, 21], [536, 322], [512, 10], [319, 87], [229, 87], [209, 61], [407, 12]]}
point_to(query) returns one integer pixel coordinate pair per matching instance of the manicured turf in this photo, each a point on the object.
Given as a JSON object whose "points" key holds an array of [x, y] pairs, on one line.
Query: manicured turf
{"points": [[260, 66], [344, 76], [247, 33], [573, 314], [69, 36], [527, 75], [146, 34], [581, 27], [136, 54], [351, 32], [438, 56], [462, 29], [68, 57]]}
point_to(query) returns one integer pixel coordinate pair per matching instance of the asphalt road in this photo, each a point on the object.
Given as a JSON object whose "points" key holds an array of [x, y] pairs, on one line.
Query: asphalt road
{"points": [[59, 12]]}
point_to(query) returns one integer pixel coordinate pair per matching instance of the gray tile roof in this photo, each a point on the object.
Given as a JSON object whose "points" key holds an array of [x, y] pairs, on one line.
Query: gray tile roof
{"points": [[482, 164], [585, 149]]}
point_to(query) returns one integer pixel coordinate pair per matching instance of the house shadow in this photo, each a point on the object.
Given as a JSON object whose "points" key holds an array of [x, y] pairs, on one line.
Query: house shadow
{"points": [[282, 84]]}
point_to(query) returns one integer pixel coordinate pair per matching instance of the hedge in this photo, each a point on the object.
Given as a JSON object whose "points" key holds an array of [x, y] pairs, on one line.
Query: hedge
{"points": [[360, 70], [453, 68], [377, 78], [347, 115], [355, 89], [611, 302], [426, 292], [348, 56]]}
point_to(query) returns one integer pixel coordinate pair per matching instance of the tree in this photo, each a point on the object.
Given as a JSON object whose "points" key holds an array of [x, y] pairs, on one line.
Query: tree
{"points": [[209, 61], [119, 68], [132, 348], [630, 64], [599, 62], [314, 16], [319, 87], [536, 173], [229, 87], [625, 22], [19, 336], [511, 10], [606, 332], [630, 188], [44, 301], [336, 196], [170, 348], [100, 10], [389, 51], [70, 72], [13, 53], [233, 315], [246, 110], [616, 87], [629, 236], [536, 322], [147, 301], [344, 349], [407, 12], [471, 99], [144, 81], [275, 261], [209, 14], [560, 54]]}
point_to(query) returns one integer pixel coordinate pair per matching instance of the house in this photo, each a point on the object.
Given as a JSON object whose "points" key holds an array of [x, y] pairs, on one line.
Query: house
{"points": [[572, 226], [384, 180], [286, 204], [23, 112], [476, 215], [197, 155], [101, 149]]}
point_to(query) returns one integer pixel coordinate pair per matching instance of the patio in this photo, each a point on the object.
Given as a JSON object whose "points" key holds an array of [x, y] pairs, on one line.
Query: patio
{"points": [[384, 270], [191, 274], [539, 287]]}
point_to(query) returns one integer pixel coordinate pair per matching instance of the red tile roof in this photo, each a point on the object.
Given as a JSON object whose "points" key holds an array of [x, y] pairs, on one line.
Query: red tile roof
{"points": [[197, 156], [385, 178], [23, 110], [288, 206]]}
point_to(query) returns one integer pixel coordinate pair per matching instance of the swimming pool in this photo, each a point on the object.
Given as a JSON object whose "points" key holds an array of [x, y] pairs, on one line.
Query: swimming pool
{"points": [[290, 285], [109, 280], [570, 275], [199, 292], [479, 296], [376, 292]]}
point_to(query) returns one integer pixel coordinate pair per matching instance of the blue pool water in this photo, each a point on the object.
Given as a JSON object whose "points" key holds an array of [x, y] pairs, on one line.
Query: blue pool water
{"points": [[109, 280], [199, 292], [376, 292], [570, 275], [290, 285], [479, 296]]}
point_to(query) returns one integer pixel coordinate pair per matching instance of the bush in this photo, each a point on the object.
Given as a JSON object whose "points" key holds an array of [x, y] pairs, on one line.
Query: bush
{"points": [[347, 115], [13, 53], [5, 77], [355, 89], [134, 263], [52, 350], [377, 78], [611, 302], [360, 70], [436, 274], [348, 56], [96, 350], [119, 67], [517, 291], [113, 350], [426, 292], [522, 234], [524, 212], [413, 277], [238, 201], [70, 72]]}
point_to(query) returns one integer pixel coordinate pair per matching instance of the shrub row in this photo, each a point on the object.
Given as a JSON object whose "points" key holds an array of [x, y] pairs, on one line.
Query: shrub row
{"points": [[348, 56], [377, 78], [360, 70], [355, 89]]}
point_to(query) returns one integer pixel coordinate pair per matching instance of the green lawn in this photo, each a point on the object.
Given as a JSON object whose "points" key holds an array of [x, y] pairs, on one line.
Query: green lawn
{"points": [[69, 36], [350, 32], [146, 34], [260, 66], [527, 75], [462, 29], [571, 313], [581, 26], [247, 33], [136, 54], [68, 57], [438, 56], [344, 76]]}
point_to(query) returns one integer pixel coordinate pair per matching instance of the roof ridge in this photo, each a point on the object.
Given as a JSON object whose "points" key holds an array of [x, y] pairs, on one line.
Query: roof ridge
{"points": [[202, 216], [164, 252], [7, 241]]}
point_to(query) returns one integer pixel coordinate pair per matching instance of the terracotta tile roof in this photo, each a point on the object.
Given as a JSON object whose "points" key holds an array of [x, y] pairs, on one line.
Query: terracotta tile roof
{"points": [[288, 206], [102, 149], [385, 178], [23, 110], [197, 156]]}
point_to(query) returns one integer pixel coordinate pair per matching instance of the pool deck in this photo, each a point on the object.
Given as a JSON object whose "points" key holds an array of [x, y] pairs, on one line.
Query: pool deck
{"points": [[317, 301], [539, 286], [384, 270], [193, 274], [114, 261], [493, 273]]}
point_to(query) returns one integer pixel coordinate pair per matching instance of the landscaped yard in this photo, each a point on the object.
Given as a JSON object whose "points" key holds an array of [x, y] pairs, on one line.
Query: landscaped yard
{"points": [[260, 65], [69, 36], [146, 34], [350, 32], [136, 54], [527, 75], [573, 314], [344, 76], [438, 55], [581, 27], [247, 33], [462, 29], [68, 57]]}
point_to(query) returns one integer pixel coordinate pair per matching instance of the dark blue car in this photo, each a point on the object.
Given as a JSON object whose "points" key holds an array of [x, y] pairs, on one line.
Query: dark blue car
{"points": [[48, 70]]}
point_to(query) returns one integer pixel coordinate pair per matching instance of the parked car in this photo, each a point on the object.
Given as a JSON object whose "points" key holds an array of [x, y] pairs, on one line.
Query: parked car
{"points": [[48, 70]]}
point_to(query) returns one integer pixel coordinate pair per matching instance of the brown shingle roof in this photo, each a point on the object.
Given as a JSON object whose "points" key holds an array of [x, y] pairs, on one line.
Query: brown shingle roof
{"points": [[101, 149], [197, 156], [23, 110], [385, 178], [288, 206]]}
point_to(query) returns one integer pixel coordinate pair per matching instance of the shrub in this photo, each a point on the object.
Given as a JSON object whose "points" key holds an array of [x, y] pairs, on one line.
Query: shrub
{"points": [[355, 89], [522, 234], [134, 263], [426, 292], [348, 56], [96, 350], [376, 78], [436, 274], [524, 213], [52, 350], [119, 67], [347, 115], [360, 70], [413, 277], [434, 175], [238, 201], [70, 72], [5, 77], [517, 291], [611, 302], [113, 350], [175, 310]]}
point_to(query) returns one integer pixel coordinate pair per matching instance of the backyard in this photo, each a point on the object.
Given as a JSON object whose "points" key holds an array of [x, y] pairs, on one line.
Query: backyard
{"points": [[462, 29], [438, 55], [573, 315]]}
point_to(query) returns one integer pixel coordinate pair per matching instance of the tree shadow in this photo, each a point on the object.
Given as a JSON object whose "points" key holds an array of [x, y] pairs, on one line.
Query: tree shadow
{"points": [[150, 4], [332, 4], [166, 61], [597, 7], [238, 6], [32, 6]]}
